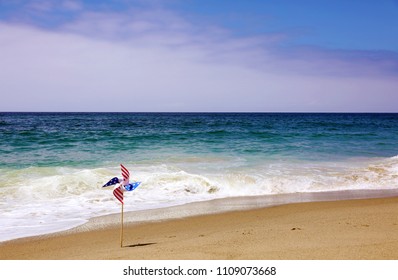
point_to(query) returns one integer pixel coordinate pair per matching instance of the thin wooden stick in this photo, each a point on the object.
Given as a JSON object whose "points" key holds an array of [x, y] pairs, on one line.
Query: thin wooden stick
{"points": [[121, 232]]}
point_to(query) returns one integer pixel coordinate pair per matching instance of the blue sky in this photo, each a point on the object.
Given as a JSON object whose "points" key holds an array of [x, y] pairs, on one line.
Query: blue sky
{"points": [[171, 55]]}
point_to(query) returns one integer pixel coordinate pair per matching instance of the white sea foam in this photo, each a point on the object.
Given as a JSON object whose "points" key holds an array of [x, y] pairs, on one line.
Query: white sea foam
{"points": [[41, 200]]}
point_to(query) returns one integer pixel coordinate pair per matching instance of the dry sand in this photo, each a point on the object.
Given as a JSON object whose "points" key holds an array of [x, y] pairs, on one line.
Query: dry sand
{"points": [[348, 229]]}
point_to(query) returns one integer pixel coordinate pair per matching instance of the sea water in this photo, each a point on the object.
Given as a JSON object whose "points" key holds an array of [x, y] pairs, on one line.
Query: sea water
{"points": [[53, 165]]}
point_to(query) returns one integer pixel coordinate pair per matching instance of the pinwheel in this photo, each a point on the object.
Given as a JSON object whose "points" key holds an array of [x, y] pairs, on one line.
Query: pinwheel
{"points": [[124, 185]]}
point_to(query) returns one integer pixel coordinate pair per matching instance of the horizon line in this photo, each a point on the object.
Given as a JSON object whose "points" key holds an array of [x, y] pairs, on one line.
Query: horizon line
{"points": [[207, 112]]}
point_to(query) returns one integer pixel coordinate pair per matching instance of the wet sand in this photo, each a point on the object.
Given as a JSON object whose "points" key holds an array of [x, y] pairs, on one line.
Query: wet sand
{"points": [[344, 229]]}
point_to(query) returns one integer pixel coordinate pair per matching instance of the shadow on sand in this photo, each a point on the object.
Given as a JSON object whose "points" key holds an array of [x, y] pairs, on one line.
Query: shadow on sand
{"points": [[139, 245]]}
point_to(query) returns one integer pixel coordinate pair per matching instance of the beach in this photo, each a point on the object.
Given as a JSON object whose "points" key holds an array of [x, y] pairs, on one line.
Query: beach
{"points": [[360, 229], [54, 165], [213, 185]]}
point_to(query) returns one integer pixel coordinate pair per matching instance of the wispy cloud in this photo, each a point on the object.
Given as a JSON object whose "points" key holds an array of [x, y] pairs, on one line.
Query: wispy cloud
{"points": [[156, 59], [72, 5], [164, 28]]}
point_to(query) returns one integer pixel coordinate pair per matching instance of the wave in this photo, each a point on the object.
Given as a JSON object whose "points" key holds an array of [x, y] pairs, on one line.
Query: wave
{"points": [[200, 176], [55, 198]]}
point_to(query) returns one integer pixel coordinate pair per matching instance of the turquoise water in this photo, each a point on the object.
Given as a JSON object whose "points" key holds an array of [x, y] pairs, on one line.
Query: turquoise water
{"points": [[52, 165], [90, 139]]}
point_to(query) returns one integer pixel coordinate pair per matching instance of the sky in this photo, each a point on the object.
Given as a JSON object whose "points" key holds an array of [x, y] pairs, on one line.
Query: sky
{"points": [[199, 56]]}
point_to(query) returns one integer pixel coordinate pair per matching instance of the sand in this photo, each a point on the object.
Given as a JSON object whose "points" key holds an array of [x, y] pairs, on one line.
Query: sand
{"points": [[346, 229]]}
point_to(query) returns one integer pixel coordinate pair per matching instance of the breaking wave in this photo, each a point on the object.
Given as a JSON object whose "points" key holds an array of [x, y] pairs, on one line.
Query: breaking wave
{"points": [[45, 199]]}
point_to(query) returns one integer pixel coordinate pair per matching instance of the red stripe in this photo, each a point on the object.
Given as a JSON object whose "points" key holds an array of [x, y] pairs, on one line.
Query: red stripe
{"points": [[125, 172], [118, 194]]}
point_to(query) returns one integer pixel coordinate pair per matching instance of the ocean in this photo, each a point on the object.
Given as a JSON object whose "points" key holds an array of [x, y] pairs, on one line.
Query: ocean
{"points": [[53, 165]]}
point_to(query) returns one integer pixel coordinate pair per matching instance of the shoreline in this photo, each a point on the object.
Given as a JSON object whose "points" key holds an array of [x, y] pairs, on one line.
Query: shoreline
{"points": [[225, 205], [214, 206], [351, 225]]}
